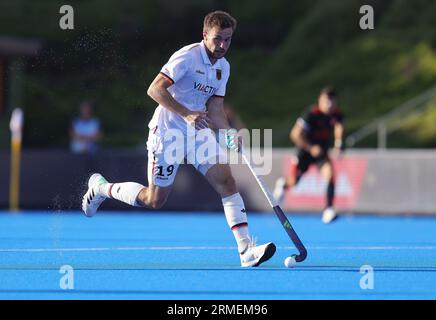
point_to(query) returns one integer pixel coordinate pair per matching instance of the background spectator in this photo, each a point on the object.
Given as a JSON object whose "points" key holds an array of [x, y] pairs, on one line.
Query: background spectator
{"points": [[85, 130]]}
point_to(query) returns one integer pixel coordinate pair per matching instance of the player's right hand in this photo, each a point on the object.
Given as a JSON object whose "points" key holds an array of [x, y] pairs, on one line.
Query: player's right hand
{"points": [[197, 119], [315, 151]]}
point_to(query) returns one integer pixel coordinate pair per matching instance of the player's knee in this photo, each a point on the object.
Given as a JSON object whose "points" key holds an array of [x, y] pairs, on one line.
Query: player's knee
{"points": [[146, 199], [225, 183], [157, 203], [228, 184], [292, 181], [141, 199], [329, 174], [154, 203]]}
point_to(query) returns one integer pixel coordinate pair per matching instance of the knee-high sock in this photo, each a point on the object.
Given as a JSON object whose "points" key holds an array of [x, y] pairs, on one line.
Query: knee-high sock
{"points": [[126, 192], [330, 193], [236, 216]]}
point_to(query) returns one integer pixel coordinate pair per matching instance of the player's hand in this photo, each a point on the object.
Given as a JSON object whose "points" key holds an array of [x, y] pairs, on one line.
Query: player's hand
{"points": [[338, 149], [197, 119], [315, 151], [233, 140], [337, 153]]}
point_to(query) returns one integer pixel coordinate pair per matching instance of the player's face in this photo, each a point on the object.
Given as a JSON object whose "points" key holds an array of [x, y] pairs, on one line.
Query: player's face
{"points": [[325, 103], [217, 41]]}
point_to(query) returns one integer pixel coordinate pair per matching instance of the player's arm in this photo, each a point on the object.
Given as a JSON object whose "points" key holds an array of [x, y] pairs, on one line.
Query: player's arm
{"points": [[218, 119], [216, 113], [298, 137], [338, 133], [158, 91]]}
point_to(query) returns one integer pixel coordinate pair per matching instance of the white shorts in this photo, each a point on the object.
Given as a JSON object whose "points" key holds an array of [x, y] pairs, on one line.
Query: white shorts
{"points": [[167, 149]]}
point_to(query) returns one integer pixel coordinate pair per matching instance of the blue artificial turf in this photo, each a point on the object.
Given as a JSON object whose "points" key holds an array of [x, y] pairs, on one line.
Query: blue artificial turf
{"points": [[163, 255]]}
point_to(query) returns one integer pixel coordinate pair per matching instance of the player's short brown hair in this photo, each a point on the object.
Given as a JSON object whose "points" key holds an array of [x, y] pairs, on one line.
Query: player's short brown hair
{"points": [[220, 19], [329, 91]]}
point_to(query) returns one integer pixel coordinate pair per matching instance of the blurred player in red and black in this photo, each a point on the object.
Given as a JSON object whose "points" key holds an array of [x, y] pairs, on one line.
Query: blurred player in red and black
{"points": [[314, 133]]}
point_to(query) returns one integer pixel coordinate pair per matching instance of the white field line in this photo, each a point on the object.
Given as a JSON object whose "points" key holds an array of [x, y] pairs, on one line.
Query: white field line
{"points": [[186, 248]]}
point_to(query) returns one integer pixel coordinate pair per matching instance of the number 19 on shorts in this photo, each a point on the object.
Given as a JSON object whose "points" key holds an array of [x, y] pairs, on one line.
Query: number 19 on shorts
{"points": [[161, 171]]}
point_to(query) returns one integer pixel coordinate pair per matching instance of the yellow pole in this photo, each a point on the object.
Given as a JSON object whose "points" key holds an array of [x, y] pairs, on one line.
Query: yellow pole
{"points": [[14, 187], [16, 126]]}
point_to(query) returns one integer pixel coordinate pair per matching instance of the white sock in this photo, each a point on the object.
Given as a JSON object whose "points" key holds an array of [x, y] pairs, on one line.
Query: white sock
{"points": [[242, 237], [126, 192], [236, 217]]}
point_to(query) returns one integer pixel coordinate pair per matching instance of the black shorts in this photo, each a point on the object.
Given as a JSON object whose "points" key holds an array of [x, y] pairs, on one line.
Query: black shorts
{"points": [[304, 160]]}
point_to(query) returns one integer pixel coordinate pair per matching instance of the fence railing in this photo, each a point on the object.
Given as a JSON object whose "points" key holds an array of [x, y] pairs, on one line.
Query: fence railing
{"points": [[383, 125]]}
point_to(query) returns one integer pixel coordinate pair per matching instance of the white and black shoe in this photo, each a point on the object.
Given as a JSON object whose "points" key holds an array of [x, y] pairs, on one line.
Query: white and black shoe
{"points": [[254, 255], [92, 198], [279, 190], [329, 215]]}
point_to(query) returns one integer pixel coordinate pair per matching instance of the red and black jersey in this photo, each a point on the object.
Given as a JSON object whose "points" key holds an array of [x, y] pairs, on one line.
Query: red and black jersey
{"points": [[319, 126]]}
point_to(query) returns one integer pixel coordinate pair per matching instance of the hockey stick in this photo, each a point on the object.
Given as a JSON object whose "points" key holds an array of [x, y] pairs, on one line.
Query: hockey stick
{"points": [[279, 212]]}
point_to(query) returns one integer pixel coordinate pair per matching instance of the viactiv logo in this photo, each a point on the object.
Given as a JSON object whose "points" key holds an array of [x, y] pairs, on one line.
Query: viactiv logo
{"points": [[204, 88]]}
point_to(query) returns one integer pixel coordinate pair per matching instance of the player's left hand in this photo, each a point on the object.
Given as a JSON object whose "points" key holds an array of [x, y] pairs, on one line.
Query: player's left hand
{"points": [[336, 153], [338, 149], [233, 140]]}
